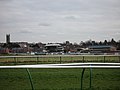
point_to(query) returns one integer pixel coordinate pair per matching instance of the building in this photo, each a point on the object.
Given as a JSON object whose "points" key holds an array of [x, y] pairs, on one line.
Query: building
{"points": [[4, 50], [7, 38], [101, 49], [19, 50], [54, 48]]}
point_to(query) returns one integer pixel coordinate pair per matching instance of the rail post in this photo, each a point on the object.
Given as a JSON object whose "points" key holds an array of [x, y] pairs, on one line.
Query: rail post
{"points": [[60, 60], [37, 60], [83, 59], [82, 78], [72, 59], [30, 79], [104, 59], [15, 59], [119, 58], [90, 78]]}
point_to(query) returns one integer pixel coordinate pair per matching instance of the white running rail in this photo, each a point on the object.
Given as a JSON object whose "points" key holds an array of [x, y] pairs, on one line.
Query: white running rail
{"points": [[68, 65]]}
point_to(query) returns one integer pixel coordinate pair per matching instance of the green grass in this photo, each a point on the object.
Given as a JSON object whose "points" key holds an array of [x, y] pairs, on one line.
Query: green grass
{"points": [[59, 79], [57, 59]]}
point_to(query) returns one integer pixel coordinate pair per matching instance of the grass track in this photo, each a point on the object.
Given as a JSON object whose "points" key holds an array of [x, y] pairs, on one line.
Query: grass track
{"points": [[59, 79]]}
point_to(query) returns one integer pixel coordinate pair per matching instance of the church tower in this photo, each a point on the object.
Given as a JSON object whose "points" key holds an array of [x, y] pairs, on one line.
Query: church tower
{"points": [[7, 38]]}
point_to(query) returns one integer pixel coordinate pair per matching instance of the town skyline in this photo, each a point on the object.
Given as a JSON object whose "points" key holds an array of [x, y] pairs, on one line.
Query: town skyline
{"points": [[65, 47], [89, 40]]}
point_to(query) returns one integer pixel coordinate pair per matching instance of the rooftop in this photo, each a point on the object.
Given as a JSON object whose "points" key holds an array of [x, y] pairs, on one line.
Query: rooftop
{"points": [[53, 44], [100, 46]]}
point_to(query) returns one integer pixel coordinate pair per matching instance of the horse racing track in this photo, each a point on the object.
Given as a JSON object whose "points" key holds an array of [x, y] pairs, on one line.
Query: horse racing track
{"points": [[69, 73], [75, 76]]}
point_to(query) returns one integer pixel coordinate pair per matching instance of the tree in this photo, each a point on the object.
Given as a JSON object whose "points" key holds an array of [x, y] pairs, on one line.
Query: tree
{"points": [[105, 42], [100, 43], [113, 42]]}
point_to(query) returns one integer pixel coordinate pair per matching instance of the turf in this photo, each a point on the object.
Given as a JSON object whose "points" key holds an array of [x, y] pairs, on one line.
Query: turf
{"points": [[59, 79], [57, 59]]}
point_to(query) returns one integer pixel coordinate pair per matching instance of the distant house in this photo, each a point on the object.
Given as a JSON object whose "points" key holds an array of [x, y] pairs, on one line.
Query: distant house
{"points": [[19, 50], [4, 50], [101, 49]]}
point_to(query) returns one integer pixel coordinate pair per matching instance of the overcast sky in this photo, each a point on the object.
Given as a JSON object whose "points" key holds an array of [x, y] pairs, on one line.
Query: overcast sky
{"points": [[59, 20]]}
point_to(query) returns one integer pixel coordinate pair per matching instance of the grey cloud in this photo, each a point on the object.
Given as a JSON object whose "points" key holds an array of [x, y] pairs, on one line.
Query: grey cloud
{"points": [[72, 17], [59, 20], [25, 32], [44, 24]]}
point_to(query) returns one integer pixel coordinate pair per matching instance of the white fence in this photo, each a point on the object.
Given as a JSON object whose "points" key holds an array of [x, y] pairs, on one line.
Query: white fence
{"points": [[69, 65]]}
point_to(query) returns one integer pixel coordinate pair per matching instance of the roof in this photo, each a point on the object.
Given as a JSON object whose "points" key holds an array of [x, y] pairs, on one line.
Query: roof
{"points": [[100, 46], [52, 45]]}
